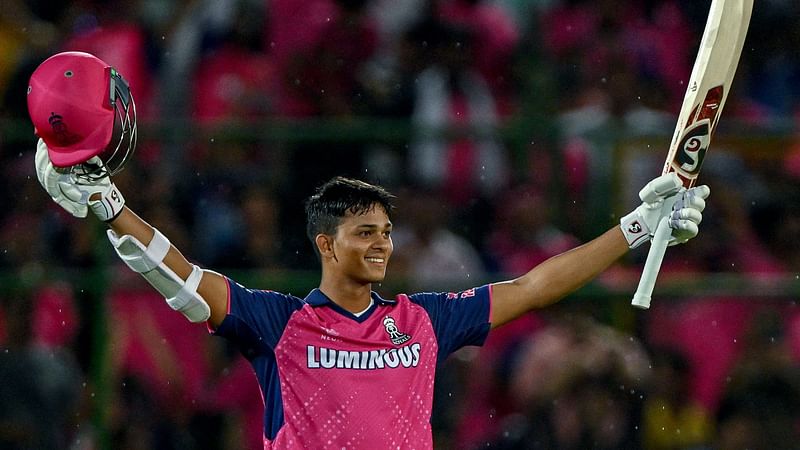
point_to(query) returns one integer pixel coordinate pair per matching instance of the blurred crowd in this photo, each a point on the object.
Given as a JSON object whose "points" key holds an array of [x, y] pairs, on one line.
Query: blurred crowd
{"points": [[529, 129]]}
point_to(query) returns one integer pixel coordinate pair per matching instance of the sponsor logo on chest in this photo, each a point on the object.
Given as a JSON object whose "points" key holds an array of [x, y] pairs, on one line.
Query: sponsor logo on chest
{"points": [[319, 357], [385, 358]]}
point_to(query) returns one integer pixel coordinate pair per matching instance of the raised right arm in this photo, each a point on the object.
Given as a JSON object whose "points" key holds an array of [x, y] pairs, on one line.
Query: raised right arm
{"points": [[200, 295], [213, 287]]}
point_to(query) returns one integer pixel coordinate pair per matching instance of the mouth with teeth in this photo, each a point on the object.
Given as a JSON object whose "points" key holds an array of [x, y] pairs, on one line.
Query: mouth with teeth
{"points": [[375, 260]]}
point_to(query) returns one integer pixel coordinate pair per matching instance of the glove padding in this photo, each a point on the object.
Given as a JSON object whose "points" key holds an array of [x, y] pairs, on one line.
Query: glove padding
{"points": [[77, 195], [665, 196]]}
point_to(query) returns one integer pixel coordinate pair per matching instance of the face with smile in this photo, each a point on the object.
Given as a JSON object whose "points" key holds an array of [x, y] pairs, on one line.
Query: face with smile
{"points": [[361, 247]]}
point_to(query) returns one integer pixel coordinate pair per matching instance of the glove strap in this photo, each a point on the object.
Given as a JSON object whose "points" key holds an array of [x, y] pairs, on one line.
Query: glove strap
{"points": [[110, 204], [635, 229]]}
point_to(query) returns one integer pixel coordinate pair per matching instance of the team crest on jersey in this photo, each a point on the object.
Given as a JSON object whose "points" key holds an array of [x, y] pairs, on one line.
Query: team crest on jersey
{"points": [[394, 333]]}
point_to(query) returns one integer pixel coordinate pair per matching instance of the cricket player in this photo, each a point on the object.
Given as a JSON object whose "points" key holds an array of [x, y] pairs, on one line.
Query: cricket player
{"points": [[342, 367]]}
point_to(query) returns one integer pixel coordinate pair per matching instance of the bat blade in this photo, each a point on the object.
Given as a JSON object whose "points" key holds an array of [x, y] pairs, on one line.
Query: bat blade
{"points": [[708, 86], [707, 90]]}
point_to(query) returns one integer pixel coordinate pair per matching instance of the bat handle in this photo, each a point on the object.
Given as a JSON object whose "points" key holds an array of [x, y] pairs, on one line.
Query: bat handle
{"points": [[658, 247]]}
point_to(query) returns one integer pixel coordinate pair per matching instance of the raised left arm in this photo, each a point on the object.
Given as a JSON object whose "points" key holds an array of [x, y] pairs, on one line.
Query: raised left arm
{"points": [[557, 277], [561, 275]]}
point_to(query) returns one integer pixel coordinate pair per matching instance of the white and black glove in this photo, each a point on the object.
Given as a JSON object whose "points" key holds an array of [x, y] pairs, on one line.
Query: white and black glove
{"points": [[77, 195], [665, 196]]}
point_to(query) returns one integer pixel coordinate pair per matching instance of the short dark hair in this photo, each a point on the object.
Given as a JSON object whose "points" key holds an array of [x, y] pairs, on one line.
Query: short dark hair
{"points": [[333, 200]]}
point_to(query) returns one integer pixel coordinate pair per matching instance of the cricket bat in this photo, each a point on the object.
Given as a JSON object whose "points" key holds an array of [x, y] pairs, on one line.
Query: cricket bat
{"points": [[706, 92]]}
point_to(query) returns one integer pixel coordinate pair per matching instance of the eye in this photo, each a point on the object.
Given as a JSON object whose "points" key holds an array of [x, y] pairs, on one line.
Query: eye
{"points": [[387, 233], [365, 233]]}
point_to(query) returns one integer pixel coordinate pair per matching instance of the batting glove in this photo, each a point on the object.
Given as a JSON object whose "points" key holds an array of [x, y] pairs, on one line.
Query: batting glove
{"points": [[78, 195], [665, 196]]}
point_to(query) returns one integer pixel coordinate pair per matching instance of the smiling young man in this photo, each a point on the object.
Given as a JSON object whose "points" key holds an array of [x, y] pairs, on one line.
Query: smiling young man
{"points": [[342, 367], [348, 223]]}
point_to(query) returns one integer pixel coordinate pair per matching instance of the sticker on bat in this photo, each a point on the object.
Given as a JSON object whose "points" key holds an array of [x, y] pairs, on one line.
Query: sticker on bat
{"points": [[692, 148]]}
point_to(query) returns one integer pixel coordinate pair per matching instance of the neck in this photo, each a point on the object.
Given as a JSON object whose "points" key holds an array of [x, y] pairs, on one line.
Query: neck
{"points": [[351, 296]]}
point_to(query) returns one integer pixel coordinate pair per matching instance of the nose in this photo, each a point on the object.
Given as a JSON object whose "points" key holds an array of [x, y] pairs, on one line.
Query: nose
{"points": [[383, 242]]}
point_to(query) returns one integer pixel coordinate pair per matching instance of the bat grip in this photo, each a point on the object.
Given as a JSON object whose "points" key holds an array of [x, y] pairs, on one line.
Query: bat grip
{"points": [[658, 247]]}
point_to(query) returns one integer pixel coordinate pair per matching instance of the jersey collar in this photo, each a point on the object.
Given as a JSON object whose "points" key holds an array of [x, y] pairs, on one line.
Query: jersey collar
{"points": [[317, 298]]}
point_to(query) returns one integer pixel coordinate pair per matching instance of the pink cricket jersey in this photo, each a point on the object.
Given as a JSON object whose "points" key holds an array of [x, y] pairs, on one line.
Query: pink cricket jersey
{"points": [[331, 380]]}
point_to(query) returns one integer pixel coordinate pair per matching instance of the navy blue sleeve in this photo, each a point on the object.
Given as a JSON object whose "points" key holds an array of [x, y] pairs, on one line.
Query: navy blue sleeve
{"points": [[458, 318], [256, 318]]}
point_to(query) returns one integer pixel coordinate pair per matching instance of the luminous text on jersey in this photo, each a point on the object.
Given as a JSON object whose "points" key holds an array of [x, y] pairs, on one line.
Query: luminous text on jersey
{"points": [[387, 358]]}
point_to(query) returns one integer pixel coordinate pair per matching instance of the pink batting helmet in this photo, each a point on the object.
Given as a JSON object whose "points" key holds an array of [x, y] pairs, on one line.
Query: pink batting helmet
{"points": [[77, 104]]}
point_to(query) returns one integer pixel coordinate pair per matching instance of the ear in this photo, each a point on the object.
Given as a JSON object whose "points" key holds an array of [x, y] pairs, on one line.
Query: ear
{"points": [[325, 245]]}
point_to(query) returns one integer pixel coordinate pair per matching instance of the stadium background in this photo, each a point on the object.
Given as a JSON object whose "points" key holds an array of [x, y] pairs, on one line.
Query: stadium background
{"points": [[510, 130]]}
